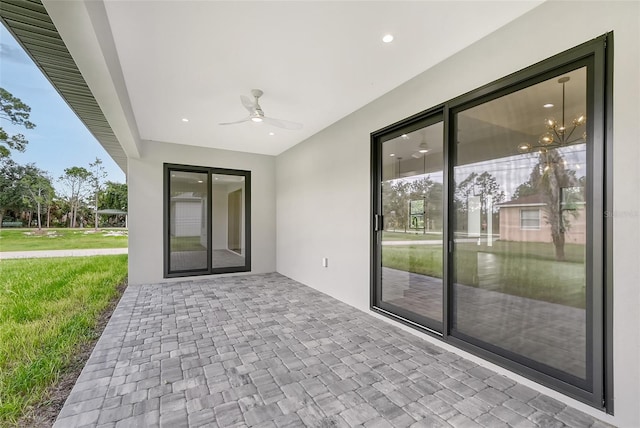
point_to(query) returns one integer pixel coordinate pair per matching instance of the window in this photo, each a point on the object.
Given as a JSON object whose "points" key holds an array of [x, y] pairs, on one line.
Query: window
{"points": [[207, 220], [456, 190], [530, 219]]}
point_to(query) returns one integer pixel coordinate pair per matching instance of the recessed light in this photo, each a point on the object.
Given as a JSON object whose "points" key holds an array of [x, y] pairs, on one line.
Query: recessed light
{"points": [[404, 136], [388, 38], [184, 119], [392, 154], [272, 133], [548, 105], [200, 181], [256, 119], [423, 150]]}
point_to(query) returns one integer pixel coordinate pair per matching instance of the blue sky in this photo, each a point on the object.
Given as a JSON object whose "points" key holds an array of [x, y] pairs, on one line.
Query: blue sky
{"points": [[59, 140]]}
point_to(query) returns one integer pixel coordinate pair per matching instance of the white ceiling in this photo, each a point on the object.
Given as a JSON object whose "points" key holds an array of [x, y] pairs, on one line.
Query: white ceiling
{"points": [[316, 61]]}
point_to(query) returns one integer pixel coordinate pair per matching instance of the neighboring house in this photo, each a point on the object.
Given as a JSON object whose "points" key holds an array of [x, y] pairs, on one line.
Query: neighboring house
{"points": [[151, 80], [526, 219]]}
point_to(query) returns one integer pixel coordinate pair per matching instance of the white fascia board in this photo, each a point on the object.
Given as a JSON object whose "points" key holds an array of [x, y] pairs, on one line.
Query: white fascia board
{"points": [[84, 28]]}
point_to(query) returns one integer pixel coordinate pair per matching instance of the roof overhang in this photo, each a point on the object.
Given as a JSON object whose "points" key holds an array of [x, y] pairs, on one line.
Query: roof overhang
{"points": [[31, 25]]}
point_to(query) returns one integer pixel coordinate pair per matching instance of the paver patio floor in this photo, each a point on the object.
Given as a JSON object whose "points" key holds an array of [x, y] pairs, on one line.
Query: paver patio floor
{"points": [[264, 350]]}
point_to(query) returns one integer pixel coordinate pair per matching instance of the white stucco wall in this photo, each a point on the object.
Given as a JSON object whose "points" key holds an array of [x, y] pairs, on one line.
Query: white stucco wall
{"points": [[323, 188], [145, 179]]}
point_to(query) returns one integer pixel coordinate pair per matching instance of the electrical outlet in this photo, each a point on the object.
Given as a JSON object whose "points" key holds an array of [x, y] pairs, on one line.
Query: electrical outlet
{"points": [[325, 262]]}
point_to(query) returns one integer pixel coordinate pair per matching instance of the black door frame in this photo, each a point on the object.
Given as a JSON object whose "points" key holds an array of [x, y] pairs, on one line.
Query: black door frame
{"points": [[210, 171], [597, 56]]}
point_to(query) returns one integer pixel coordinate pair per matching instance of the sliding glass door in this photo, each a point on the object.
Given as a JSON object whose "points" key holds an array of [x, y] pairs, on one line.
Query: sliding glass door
{"points": [[207, 217], [410, 226], [520, 225], [488, 227]]}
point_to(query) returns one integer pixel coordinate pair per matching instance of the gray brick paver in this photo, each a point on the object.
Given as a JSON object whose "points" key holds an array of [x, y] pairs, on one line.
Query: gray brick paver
{"points": [[359, 414], [378, 422], [201, 418], [115, 414], [228, 414], [330, 404], [546, 404], [461, 421], [492, 396], [506, 415], [262, 413], [519, 407], [81, 407], [472, 407], [266, 351], [79, 419], [488, 420], [403, 420], [546, 420], [174, 419]]}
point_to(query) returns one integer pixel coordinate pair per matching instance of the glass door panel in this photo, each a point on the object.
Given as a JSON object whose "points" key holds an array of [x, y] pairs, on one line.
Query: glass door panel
{"points": [[188, 221], [228, 233], [412, 216], [520, 226]]}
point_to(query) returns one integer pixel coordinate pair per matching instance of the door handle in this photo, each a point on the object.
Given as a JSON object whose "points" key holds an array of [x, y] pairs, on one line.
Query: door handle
{"points": [[378, 222]]}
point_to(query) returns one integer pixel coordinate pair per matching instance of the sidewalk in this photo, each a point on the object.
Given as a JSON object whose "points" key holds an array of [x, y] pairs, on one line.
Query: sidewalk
{"points": [[61, 253]]}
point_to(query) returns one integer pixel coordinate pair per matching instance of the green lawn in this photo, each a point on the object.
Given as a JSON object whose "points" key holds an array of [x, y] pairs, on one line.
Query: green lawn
{"points": [[523, 270], [186, 243], [536, 250], [49, 308], [410, 236], [422, 259], [62, 239]]}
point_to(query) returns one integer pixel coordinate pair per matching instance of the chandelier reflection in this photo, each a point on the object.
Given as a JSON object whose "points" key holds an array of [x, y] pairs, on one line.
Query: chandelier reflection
{"points": [[558, 134]]}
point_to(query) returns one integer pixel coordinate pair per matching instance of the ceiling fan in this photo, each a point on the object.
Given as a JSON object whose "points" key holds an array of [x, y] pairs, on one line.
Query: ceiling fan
{"points": [[423, 149], [257, 115]]}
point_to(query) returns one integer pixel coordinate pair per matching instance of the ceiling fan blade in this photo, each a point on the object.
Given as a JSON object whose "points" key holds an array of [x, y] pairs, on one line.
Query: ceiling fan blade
{"points": [[285, 124], [248, 103], [237, 121]]}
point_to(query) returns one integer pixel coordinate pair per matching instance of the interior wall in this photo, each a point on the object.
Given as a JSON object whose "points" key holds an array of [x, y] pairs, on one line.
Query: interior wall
{"points": [[323, 184], [145, 180], [220, 214]]}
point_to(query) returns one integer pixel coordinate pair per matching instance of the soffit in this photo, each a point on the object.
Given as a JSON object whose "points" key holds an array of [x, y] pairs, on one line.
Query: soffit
{"points": [[32, 27]]}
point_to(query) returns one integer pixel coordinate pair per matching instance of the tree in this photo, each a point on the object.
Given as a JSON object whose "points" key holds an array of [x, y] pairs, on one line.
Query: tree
{"points": [[464, 189], [395, 196], [12, 109], [555, 177], [98, 175], [10, 191], [549, 178], [529, 187], [486, 187], [114, 196], [37, 189], [77, 183]]}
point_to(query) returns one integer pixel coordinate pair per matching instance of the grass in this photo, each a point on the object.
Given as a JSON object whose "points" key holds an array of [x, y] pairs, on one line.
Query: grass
{"points": [[535, 250], [49, 309], [522, 269], [422, 259], [410, 236], [61, 239], [186, 243]]}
